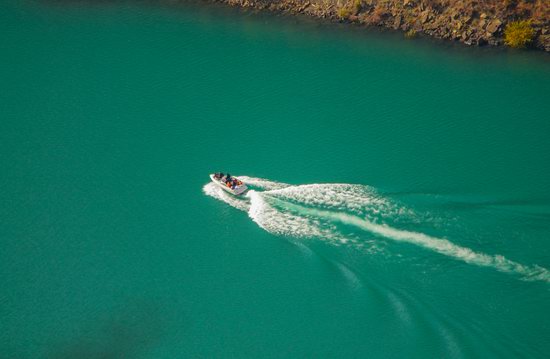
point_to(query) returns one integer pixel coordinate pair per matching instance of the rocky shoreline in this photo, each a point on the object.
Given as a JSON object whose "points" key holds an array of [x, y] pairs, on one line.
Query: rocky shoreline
{"points": [[472, 22]]}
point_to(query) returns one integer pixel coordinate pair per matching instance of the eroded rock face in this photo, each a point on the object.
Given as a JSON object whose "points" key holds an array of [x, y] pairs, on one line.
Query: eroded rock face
{"points": [[494, 26], [425, 16], [397, 22], [472, 22]]}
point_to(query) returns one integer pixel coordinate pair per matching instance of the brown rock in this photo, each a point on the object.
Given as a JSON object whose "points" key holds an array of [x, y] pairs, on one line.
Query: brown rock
{"points": [[397, 22], [425, 16], [305, 6], [494, 26]]}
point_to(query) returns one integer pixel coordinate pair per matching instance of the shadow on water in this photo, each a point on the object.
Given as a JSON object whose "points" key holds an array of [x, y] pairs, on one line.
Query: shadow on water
{"points": [[254, 21], [124, 334]]}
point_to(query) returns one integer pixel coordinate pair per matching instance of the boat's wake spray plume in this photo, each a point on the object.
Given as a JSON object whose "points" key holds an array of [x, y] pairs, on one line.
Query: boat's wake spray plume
{"points": [[315, 210]]}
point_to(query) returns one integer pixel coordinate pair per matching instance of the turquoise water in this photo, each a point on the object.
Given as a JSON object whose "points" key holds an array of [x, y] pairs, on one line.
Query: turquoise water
{"points": [[400, 202]]}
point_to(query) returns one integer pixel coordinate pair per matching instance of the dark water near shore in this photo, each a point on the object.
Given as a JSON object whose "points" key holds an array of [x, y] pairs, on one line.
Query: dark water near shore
{"points": [[400, 203]]}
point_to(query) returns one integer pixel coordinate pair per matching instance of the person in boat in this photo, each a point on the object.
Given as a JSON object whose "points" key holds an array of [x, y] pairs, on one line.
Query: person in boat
{"points": [[218, 175]]}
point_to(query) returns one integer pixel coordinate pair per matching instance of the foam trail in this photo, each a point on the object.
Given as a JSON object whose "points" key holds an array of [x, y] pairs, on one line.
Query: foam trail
{"points": [[262, 183], [439, 245], [341, 197], [312, 211], [280, 222], [212, 190]]}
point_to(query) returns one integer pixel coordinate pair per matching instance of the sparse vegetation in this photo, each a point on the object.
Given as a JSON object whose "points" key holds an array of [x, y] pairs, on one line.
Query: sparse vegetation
{"points": [[351, 8], [411, 34], [510, 2], [378, 14], [519, 34], [344, 13], [357, 5]]}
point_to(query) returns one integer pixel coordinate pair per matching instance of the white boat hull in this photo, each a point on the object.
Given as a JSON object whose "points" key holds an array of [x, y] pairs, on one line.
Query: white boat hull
{"points": [[237, 191]]}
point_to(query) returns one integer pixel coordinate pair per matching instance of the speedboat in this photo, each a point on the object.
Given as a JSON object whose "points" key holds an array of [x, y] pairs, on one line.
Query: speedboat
{"points": [[233, 186]]}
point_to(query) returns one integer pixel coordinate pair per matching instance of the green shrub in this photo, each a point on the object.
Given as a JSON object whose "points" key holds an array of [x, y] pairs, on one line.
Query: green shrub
{"points": [[411, 34], [344, 13], [518, 34], [357, 5], [352, 8]]}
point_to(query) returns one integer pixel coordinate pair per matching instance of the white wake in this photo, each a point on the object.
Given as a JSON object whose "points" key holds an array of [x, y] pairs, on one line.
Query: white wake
{"points": [[314, 210]]}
